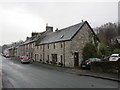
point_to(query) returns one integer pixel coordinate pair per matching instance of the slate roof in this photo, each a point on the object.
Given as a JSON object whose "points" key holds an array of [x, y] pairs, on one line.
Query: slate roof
{"points": [[33, 38], [62, 35]]}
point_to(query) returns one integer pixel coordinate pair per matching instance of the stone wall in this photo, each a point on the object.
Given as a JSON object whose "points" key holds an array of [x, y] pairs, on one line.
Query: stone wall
{"points": [[65, 49], [80, 40]]}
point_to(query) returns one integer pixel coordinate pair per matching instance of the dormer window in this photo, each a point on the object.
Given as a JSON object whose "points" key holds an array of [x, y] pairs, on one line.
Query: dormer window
{"points": [[61, 36]]}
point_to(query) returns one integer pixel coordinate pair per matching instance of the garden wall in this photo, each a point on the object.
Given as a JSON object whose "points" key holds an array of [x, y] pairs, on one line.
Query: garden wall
{"points": [[107, 67]]}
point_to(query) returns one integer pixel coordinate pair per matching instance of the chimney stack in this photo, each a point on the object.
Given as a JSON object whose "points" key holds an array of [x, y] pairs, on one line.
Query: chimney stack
{"points": [[27, 38], [49, 28], [56, 29], [34, 33]]}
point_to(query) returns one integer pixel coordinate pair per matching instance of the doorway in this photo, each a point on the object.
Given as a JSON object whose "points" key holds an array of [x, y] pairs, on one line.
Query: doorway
{"points": [[54, 58], [76, 59]]}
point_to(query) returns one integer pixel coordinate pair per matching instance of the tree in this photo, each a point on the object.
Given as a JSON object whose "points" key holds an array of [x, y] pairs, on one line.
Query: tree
{"points": [[105, 51], [106, 32], [90, 51]]}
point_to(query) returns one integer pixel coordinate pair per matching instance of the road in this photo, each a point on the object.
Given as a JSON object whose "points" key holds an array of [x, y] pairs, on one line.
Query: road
{"points": [[19, 75]]}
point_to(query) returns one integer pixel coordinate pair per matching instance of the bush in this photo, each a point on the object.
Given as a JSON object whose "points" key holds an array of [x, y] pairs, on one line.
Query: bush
{"points": [[90, 51], [116, 51]]}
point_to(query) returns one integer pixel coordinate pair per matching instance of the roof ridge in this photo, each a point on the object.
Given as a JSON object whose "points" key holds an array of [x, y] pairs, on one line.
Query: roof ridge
{"points": [[68, 33], [71, 26]]}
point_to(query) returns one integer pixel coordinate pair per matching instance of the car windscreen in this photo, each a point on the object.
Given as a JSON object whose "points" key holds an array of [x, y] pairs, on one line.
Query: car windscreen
{"points": [[25, 57], [114, 56], [94, 59], [91, 59], [86, 60]]}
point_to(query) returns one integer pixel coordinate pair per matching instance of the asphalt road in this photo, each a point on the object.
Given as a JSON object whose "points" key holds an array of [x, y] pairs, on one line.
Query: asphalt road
{"points": [[17, 75]]}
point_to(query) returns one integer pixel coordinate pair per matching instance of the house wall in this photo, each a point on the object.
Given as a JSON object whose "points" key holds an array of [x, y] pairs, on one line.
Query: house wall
{"points": [[11, 52], [51, 50], [68, 49], [21, 50], [85, 35], [68, 54], [18, 51], [42, 53], [36, 54], [62, 49]]}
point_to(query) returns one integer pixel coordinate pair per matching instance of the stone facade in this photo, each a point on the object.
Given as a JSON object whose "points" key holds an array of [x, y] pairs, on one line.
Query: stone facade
{"points": [[62, 47], [64, 51]]}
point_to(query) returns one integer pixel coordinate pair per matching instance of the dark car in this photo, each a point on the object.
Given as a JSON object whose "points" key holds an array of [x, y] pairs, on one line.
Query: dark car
{"points": [[87, 63], [25, 59], [7, 56]]}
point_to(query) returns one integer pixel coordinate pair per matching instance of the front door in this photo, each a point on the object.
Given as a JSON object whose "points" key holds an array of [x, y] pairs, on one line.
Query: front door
{"points": [[54, 58], [76, 59], [35, 57]]}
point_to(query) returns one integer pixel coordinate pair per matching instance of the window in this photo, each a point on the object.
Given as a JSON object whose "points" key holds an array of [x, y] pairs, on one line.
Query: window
{"points": [[28, 46], [61, 58], [40, 46], [61, 45], [61, 62], [41, 56], [32, 45], [37, 47], [54, 45], [48, 46], [48, 57]]}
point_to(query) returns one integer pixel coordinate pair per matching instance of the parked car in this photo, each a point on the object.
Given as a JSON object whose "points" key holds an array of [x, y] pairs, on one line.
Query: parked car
{"points": [[7, 56], [87, 63], [114, 57], [25, 59]]}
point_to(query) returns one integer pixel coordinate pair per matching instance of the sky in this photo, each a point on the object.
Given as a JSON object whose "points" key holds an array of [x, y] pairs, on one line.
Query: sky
{"points": [[19, 18]]}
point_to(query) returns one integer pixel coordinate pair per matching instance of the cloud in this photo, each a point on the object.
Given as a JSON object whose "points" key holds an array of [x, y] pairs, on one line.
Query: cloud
{"points": [[16, 24], [19, 19]]}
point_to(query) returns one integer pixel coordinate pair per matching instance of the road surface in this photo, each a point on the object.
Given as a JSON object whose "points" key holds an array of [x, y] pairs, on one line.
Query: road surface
{"points": [[18, 75]]}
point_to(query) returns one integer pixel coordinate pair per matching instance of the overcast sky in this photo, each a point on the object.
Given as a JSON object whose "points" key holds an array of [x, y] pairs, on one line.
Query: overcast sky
{"points": [[19, 19]]}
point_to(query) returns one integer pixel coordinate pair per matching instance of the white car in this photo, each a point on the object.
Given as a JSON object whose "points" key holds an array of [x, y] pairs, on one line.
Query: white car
{"points": [[114, 57]]}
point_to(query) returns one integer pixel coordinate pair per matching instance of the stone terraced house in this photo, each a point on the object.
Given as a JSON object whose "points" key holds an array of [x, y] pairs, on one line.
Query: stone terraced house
{"points": [[64, 47]]}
